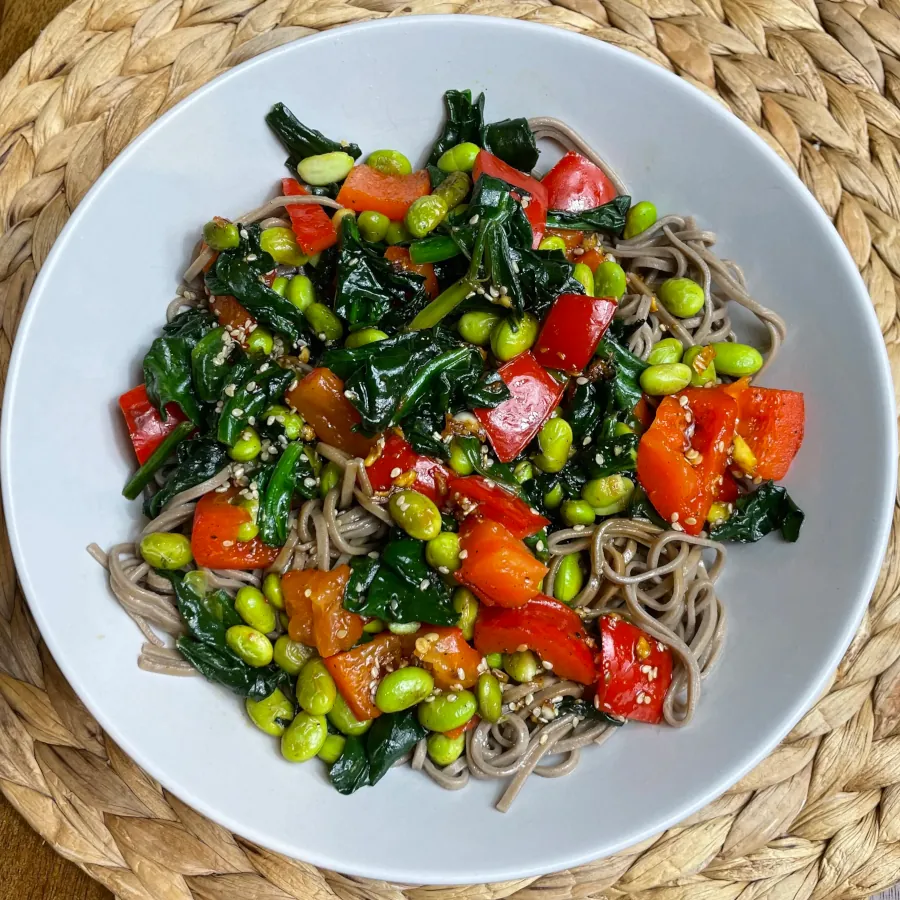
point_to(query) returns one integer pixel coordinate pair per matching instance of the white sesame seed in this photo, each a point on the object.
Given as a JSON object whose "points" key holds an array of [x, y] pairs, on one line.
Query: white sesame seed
{"points": [[547, 665], [543, 738]]}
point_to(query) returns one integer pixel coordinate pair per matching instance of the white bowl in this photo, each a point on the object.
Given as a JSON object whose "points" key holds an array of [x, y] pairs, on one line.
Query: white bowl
{"points": [[100, 300]]}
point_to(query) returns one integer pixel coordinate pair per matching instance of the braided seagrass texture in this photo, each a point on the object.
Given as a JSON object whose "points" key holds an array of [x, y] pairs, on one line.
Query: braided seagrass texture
{"points": [[820, 82]]}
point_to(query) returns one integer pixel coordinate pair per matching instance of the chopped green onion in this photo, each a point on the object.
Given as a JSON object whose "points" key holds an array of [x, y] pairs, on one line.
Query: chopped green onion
{"points": [[142, 477], [433, 249], [442, 305]]}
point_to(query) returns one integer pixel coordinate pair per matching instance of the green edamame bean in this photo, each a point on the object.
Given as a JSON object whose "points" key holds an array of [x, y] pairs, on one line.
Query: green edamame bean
{"points": [[509, 339], [404, 627], [166, 550], [490, 696], [271, 714], [442, 552], [304, 737], [610, 280], [331, 477], [577, 512], [252, 646], [332, 748], [620, 429], [390, 162], [288, 420], [552, 242], [443, 750], [448, 711], [669, 378], [610, 495], [254, 609], [460, 158], [364, 336], [291, 656], [425, 214], [583, 273], [701, 361], [373, 225], [639, 218], [476, 326], [403, 688], [300, 292], [279, 285], [325, 168], [459, 461], [316, 690], [524, 471], [494, 660], [272, 590], [521, 666], [281, 245], [374, 626], [682, 297], [342, 717], [737, 360], [220, 234], [396, 234], [555, 440], [260, 341], [416, 514], [668, 350], [453, 189], [324, 322], [569, 578], [247, 446], [339, 217], [554, 496], [466, 604], [246, 531]]}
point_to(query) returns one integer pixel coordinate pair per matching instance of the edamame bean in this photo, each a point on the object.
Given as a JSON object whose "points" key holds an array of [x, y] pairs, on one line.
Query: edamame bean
{"points": [[737, 360], [494, 660], [271, 714], [682, 297], [718, 513], [459, 461], [620, 429], [279, 285], [744, 457], [610, 280], [555, 440], [373, 225], [364, 336], [260, 341], [668, 350], [300, 292], [254, 609], [403, 688], [220, 234], [669, 378], [288, 420], [316, 690], [281, 245], [466, 604], [476, 326], [325, 168], [291, 656], [577, 512], [639, 218], [442, 552], [425, 214], [166, 550], [509, 339], [396, 234], [246, 531], [490, 696], [443, 750], [460, 158], [416, 514], [554, 496], [304, 737], [252, 646], [524, 471], [247, 446], [448, 711], [332, 748], [583, 273], [272, 590], [701, 361], [324, 322], [342, 717], [552, 242], [569, 578], [610, 495], [453, 189], [521, 666], [374, 626], [390, 162], [331, 477], [339, 217]]}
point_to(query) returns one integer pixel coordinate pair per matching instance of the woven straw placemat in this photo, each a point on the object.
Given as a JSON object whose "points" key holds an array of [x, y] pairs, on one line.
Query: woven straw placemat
{"points": [[820, 82]]}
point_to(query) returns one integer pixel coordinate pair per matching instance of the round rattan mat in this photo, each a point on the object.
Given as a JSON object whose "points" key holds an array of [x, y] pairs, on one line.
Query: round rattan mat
{"points": [[820, 82]]}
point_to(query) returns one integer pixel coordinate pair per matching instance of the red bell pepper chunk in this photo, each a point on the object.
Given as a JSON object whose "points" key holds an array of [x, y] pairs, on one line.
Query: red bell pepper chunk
{"points": [[214, 540], [702, 430], [146, 427], [575, 184], [572, 330], [535, 394], [391, 195], [536, 207], [400, 257], [491, 501], [444, 651], [498, 568], [546, 626], [636, 671], [397, 458], [312, 227]]}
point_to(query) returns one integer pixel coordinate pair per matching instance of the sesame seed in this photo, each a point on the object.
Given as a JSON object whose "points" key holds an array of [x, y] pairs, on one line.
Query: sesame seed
{"points": [[581, 380], [529, 698], [463, 554], [452, 698], [227, 543], [547, 665], [307, 592], [460, 673], [677, 527], [674, 516], [543, 738], [521, 648], [474, 220], [424, 584], [342, 633], [237, 412]]}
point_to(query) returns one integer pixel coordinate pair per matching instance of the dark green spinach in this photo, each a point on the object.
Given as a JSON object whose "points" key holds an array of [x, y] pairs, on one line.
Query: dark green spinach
{"points": [[167, 376], [768, 508], [462, 124], [577, 706], [196, 461], [260, 388], [624, 372], [610, 456], [512, 140], [275, 499], [610, 217], [300, 140], [350, 771], [209, 368]]}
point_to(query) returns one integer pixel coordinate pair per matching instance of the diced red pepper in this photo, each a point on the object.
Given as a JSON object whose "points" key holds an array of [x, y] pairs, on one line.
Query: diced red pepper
{"points": [[636, 671], [214, 540], [146, 427], [392, 195], [400, 257], [231, 313], [644, 413], [314, 602], [397, 456], [575, 184], [536, 208], [493, 502], [546, 626], [443, 650], [498, 568], [535, 394], [590, 258], [312, 226], [572, 330]]}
